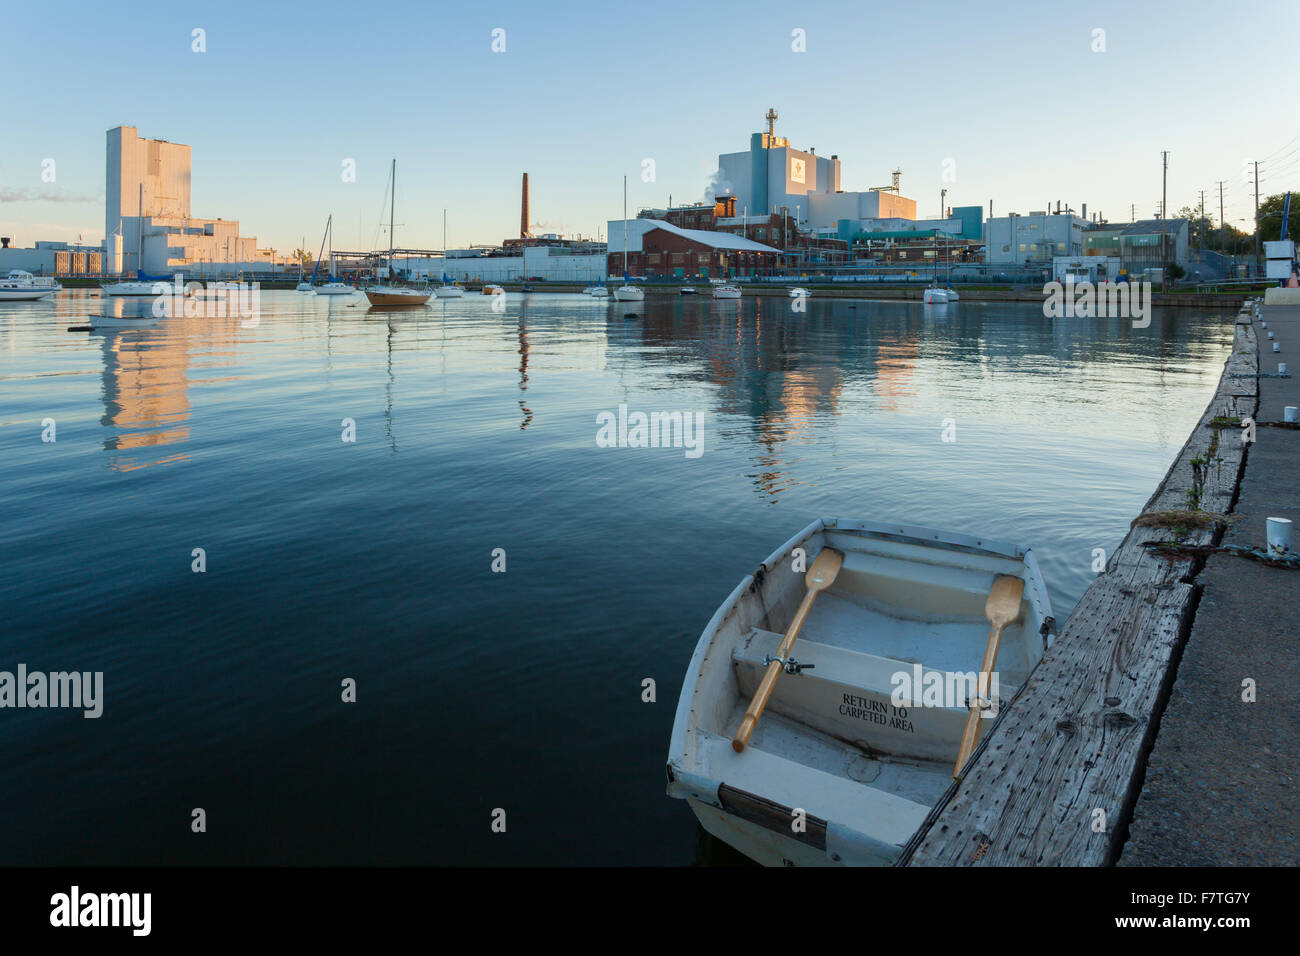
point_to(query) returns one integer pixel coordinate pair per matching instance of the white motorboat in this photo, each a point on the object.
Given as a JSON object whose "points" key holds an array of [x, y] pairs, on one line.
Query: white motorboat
{"points": [[628, 293], [132, 288], [303, 287], [335, 288], [798, 292], [449, 292], [688, 290], [935, 296], [599, 292], [491, 289], [726, 292], [21, 286], [872, 691], [389, 295]]}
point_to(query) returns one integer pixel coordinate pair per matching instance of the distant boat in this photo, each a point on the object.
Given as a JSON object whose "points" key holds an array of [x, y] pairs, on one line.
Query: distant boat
{"points": [[388, 294], [21, 286], [688, 290], [598, 292], [122, 321], [333, 287], [303, 284], [449, 291], [952, 295], [626, 292], [128, 288], [935, 296], [892, 603], [491, 289], [303, 287], [798, 292], [726, 292]]}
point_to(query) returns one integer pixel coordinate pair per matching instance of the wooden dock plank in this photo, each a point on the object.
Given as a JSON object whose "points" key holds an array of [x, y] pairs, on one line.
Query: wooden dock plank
{"points": [[1055, 779]]}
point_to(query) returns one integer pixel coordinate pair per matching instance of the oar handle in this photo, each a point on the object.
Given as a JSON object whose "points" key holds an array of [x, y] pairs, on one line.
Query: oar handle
{"points": [[970, 736], [759, 701]]}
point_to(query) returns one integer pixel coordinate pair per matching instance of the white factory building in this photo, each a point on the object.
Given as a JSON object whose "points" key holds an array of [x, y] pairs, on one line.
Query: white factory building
{"points": [[772, 176], [552, 264], [1034, 238], [147, 221]]}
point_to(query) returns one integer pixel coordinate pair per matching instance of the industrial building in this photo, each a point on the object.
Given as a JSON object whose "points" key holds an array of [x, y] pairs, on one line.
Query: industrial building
{"points": [[147, 221], [1138, 245], [1033, 239], [774, 177], [657, 248]]}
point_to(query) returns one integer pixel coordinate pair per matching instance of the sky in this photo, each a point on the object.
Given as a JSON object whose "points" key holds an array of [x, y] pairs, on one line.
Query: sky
{"points": [[1021, 105]]}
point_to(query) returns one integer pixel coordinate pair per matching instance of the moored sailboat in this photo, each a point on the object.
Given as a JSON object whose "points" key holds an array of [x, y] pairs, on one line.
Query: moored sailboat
{"points": [[389, 294]]}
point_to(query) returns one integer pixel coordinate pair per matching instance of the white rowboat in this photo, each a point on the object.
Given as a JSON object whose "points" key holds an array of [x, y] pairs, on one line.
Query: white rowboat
{"points": [[906, 608]]}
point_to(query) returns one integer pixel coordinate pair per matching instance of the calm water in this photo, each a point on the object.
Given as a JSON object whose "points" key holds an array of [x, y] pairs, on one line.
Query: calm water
{"points": [[475, 431]]}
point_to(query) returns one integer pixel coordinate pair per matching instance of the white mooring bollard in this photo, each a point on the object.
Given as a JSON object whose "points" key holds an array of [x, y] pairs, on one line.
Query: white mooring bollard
{"points": [[1289, 414], [1281, 536]]}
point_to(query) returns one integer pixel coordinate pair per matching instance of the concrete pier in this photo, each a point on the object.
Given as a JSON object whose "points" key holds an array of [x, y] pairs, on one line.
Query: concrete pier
{"points": [[1222, 785]]}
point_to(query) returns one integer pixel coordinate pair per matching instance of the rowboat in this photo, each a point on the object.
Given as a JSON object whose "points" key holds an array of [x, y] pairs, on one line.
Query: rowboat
{"points": [[122, 321], [831, 746]]}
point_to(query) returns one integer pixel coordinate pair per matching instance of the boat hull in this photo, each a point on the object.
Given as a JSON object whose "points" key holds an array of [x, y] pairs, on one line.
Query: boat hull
{"points": [[396, 299], [628, 294], [25, 295], [449, 292], [860, 767], [326, 290]]}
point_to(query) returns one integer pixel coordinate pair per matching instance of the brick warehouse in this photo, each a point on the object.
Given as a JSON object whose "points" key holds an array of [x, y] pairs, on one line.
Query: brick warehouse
{"points": [[660, 249]]}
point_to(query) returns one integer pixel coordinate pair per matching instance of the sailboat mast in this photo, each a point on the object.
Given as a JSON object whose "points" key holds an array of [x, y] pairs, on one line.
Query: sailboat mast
{"points": [[392, 207], [624, 227]]}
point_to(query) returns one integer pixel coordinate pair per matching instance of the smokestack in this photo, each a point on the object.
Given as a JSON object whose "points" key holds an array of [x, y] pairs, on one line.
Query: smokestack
{"points": [[1085, 210], [523, 211], [4, 242]]}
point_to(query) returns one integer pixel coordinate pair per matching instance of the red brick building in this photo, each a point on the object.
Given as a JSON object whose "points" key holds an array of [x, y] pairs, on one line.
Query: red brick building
{"points": [[657, 248]]}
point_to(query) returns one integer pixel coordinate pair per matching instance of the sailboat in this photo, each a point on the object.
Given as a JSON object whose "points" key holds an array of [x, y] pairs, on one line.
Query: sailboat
{"points": [[626, 292], [448, 290], [333, 287], [303, 284], [389, 294], [139, 286]]}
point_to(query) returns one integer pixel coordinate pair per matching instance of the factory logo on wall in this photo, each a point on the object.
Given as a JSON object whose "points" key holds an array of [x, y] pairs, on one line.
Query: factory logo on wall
{"points": [[796, 169]]}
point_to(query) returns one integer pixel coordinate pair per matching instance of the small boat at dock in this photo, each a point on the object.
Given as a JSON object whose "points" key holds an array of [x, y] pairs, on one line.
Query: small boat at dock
{"points": [[726, 292], [491, 289], [688, 290], [335, 288], [935, 296], [811, 687]]}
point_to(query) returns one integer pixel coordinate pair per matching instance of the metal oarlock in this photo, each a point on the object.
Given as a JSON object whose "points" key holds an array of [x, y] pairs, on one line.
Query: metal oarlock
{"points": [[790, 665]]}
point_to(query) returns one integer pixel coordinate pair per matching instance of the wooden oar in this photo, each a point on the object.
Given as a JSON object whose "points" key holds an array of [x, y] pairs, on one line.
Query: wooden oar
{"points": [[1002, 608], [820, 576]]}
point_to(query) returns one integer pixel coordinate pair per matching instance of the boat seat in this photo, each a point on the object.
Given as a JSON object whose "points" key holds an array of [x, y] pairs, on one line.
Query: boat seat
{"points": [[848, 695], [884, 819]]}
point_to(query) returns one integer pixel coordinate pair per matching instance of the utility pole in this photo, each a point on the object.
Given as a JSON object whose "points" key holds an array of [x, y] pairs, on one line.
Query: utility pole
{"points": [[1164, 215], [1223, 232], [1258, 270]]}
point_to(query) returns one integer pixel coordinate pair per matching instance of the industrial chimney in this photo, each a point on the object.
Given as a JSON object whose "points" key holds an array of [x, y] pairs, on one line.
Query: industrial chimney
{"points": [[523, 211], [4, 242]]}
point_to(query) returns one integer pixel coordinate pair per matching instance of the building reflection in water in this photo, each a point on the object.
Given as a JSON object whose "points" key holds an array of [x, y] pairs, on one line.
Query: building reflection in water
{"points": [[145, 382]]}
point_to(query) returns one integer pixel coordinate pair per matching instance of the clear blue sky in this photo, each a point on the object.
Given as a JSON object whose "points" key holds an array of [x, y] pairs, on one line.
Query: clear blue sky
{"points": [[585, 91]]}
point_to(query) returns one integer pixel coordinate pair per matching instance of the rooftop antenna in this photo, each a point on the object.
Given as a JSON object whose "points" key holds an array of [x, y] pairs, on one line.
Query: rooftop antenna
{"points": [[771, 122], [897, 175]]}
